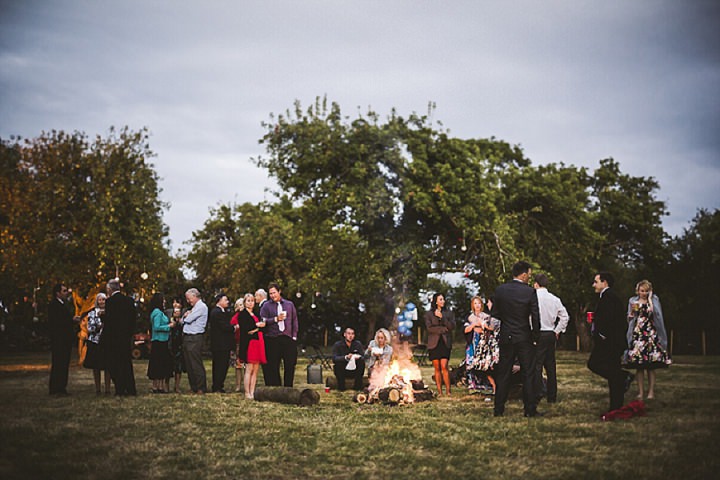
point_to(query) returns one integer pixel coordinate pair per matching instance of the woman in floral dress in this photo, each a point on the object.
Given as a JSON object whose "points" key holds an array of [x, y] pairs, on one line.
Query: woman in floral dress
{"points": [[647, 337], [482, 352]]}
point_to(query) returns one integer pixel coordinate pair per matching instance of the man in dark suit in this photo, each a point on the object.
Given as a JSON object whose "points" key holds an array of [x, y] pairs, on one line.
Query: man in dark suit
{"points": [[222, 341], [118, 330], [516, 306], [62, 338], [609, 330]]}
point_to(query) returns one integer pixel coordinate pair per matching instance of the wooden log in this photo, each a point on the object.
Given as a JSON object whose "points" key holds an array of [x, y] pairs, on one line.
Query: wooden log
{"points": [[288, 395], [423, 395], [360, 397], [389, 395]]}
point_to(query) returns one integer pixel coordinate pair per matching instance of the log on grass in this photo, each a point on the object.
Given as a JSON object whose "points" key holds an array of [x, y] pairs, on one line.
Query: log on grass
{"points": [[389, 395], [423, 395], [289, 395], [360, 397]]}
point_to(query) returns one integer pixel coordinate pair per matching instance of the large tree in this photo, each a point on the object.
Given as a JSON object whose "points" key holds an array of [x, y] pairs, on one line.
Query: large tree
{"points": [[81, 210]]}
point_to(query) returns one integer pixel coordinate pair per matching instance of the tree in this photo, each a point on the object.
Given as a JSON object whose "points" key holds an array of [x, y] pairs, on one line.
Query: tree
{"points": [[81, 211]]}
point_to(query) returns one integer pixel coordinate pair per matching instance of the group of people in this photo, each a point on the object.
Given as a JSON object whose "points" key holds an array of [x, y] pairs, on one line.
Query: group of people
{"points": [[110, 325], [517, 329], [521, 325], [259, 332]]}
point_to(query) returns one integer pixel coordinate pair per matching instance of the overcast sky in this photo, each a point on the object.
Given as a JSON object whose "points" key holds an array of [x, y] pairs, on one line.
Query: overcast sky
{"points": [[569, 81]]}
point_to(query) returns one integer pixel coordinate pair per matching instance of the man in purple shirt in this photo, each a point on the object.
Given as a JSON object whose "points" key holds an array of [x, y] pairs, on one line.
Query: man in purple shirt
{"points": [[280, 332]]}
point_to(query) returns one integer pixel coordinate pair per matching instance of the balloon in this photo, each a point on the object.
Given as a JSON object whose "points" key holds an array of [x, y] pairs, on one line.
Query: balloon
{"points": [[410, 307], [402, 330], [400, 317], [408, 324]]}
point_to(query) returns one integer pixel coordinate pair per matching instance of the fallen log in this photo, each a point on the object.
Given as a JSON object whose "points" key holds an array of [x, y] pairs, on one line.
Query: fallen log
{"points": [[423, 395], [288, 395], [360, 397]]}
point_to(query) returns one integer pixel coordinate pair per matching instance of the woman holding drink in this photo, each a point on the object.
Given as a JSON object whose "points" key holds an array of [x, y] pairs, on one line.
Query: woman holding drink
{"points": [[647, 337]]}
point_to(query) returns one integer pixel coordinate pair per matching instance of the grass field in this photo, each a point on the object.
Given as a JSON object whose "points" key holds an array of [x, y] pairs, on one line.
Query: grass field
{"points": [[227, 436]]}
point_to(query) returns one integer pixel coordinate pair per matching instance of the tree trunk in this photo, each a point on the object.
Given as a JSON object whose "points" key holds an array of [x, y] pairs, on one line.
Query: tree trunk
{"points": [[289, 395], [423, 395]]}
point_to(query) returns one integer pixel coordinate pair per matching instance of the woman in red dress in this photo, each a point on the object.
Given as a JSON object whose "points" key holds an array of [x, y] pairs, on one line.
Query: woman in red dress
{"points": [[252, 346]]}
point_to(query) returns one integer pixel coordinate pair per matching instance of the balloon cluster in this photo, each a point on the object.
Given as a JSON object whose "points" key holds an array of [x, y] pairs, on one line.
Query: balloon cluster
{"points": [[406, 319]]}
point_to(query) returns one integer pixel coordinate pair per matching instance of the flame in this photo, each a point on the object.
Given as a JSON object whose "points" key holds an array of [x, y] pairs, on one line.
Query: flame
{"points": [[399, 373]]}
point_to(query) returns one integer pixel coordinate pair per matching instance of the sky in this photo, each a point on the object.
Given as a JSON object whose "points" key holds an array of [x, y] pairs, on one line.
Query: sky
{"points": [[568, 81]]}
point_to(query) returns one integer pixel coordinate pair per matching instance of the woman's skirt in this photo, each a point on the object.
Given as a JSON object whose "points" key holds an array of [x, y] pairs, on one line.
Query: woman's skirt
{"points": [[256, 350], [441, 351], [160, 366], [95, 357]]}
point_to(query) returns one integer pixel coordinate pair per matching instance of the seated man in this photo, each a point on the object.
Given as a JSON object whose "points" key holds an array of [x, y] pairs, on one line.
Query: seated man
{"points": [[348, 360]]}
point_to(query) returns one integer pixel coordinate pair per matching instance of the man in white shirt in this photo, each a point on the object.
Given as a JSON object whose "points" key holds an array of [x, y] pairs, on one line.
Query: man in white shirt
{"points": [[553, 321], [194, 322]]}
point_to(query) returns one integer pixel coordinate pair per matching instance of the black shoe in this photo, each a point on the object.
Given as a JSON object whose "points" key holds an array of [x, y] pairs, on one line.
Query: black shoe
{"points": [[534, 414], [497, 414], [628, 381]]}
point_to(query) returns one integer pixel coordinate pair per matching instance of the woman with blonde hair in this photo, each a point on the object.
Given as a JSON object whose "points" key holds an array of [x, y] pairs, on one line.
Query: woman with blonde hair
{"points": [[379, 351], [483, 350], [252, 345], [647, 337]]}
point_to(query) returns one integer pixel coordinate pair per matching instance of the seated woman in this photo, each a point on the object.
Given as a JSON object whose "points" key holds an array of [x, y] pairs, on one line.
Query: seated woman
{"points": [[379, 352]]}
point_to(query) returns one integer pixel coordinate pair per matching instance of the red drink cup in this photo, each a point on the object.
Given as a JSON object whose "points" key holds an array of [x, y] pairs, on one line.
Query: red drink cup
{"points": [[590, 317]]}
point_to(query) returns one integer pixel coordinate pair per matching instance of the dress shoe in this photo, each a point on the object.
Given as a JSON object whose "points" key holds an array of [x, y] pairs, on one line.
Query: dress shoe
{"points": [[534, 414], [497, 414]]}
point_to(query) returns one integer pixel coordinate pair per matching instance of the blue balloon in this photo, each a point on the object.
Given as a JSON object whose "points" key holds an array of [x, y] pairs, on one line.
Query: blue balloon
{"points": [[400, 317], [402, 330], [410, 307], [408, 324]]}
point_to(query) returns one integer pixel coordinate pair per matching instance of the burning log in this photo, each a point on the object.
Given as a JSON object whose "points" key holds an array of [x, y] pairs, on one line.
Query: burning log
{"points": [[390, 395], [288, 395]]}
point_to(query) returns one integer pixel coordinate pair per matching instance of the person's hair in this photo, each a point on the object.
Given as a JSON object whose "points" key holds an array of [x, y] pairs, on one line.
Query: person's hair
{"points": [[156, 301], [472, 300], [56, 289], [239, 304], [98, 297], [520, 267], [113, 285], [606, 277], [261, 292], [433, 303], [385, 333], [542, 280], [345, 329], [179, 300], [643, 283], [194, 292], [218, 297], [275, 286], [245, 298]]}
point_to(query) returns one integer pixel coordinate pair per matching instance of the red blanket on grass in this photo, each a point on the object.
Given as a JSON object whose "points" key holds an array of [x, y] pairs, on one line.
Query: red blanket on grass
{"points": [[635, 408]]}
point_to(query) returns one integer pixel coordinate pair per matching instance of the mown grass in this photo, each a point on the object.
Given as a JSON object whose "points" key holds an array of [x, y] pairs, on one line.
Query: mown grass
{"points": [[226, 436]]}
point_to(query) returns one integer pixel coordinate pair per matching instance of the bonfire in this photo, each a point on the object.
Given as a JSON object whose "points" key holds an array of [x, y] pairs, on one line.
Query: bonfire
{"points": [[398, 383]]}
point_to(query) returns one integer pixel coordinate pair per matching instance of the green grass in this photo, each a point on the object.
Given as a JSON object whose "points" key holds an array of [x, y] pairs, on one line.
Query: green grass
{"points": [[226, 436]]}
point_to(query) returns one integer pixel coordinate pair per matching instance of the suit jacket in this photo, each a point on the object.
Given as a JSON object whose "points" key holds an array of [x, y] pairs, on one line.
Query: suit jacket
{"points": [[60, 323], [222, 333], [438, 327], [516, 306], [118, 323], [609, 324]]}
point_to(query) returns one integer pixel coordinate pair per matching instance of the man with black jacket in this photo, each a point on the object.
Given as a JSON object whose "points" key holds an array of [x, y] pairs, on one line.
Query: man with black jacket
{"points": [[62, 337], [516, 306], [609, 329], [222, 341]]}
